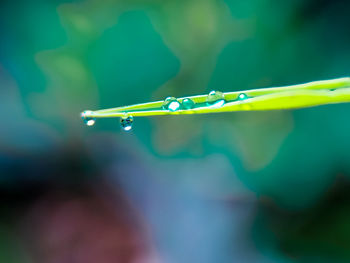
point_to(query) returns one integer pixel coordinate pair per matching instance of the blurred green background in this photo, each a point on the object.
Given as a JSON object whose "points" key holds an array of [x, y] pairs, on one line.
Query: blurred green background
{"points": [[233, 187]]}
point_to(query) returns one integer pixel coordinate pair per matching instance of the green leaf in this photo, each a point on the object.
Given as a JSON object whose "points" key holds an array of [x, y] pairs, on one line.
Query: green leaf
{"points": [[277, 98]]}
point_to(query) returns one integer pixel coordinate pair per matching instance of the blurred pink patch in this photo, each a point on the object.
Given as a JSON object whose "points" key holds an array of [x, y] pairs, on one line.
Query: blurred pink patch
{"points": [[86, 228]]}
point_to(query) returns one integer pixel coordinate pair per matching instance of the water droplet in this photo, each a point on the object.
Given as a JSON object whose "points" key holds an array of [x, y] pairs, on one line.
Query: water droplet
{"points": [[126, 122], [86, 116], [216, 99], [242, 96], [171, 104], [187, 103]]}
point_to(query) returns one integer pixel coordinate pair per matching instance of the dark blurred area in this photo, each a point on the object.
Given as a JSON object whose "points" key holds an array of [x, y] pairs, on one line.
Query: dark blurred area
{"points": [[234, 187]]}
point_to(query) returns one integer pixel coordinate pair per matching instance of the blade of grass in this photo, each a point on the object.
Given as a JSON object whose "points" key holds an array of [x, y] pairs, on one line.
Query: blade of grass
{"points": [[277, 98]]}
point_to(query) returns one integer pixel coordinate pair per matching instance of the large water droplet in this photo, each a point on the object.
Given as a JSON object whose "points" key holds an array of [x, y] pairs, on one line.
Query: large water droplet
{"points": [[126, 122], [216, 99], [86, 116], [242, 96], [187, 103], [171, 104]]}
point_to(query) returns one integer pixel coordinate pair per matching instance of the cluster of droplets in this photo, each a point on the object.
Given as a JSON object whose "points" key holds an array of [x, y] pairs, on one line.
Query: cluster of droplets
{"points": [[215, 99], [172, 104]]}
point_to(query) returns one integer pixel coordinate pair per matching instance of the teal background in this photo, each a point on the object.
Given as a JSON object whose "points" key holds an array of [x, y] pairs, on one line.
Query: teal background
{"points": [[231, 187]]}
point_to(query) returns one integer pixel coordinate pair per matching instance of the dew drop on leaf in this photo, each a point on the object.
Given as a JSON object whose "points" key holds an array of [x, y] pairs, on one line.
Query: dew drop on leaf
{"points": [[242, 96], [216, 99], [171, 104], [187, 104]]}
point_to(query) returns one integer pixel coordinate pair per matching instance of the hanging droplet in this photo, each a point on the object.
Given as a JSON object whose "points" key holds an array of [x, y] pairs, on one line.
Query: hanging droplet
{"points": [[86, 116], [126, 122], [216, 99], [242, 96], [171, 104], [187, 103]]}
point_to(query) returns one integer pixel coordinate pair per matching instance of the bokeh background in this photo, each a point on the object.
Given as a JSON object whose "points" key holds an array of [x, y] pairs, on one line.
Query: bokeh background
{"points": [[234, 187]]}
